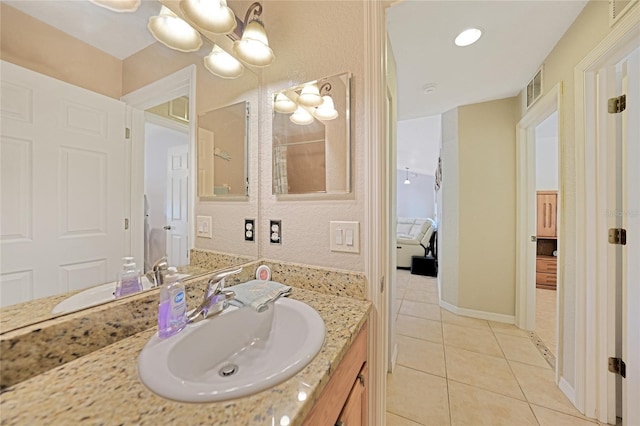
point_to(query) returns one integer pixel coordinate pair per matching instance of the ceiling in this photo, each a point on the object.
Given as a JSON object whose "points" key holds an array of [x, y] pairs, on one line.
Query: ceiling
{"points": [[127, 32], [517, 37]]}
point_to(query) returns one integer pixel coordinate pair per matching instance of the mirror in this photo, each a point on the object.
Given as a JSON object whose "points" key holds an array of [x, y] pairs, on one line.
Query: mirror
{"points": [[312, 137], [222, 152], [67, 56]]}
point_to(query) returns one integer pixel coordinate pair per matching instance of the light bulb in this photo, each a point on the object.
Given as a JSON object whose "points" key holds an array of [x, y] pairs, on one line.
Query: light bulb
{"points": [[222, 64], [301, 116], [326, 111], [174, 32], [310, 96], [253, 47], [283, 104], [210, 15]]}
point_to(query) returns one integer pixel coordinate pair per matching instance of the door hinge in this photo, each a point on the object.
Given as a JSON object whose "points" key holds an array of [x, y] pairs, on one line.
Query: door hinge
{"points": [[127, 133], [382, 285], [126, 223], [361, 378], [618, 236], [618, 104], [617, 366]]}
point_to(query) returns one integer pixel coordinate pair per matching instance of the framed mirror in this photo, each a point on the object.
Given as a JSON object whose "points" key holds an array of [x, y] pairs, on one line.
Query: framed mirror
{"points": [[312, 138], [223, 141]]}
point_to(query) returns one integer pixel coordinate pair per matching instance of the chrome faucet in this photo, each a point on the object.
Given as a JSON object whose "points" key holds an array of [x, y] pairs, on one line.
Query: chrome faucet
{"points": [[157, 272], [216, 299]]}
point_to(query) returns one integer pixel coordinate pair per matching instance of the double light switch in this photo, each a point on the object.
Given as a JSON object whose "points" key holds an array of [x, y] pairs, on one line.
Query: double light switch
{"points": [[345, 236]]}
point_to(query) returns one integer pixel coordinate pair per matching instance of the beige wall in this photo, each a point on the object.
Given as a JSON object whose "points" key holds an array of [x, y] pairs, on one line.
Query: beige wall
{"points": [[589, 29], [487, 206], [32, 44], [313, 40]]}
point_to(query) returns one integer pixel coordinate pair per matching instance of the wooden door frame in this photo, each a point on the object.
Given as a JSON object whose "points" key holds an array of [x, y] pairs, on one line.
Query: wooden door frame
{"points": [[592, 394], [180, 83]]}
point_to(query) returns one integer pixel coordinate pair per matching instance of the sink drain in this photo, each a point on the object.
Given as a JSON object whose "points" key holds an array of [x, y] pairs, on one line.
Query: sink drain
{"points": [[228, 370]]}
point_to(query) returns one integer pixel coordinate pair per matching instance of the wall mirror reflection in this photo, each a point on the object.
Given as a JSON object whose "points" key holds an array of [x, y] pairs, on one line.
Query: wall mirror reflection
{"points": [[99, 193], [312, 137], [222, 152]]}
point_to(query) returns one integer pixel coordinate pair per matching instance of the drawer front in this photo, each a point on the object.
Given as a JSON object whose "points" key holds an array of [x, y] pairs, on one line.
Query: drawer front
{"points": [[546, 265], [544, 278]]}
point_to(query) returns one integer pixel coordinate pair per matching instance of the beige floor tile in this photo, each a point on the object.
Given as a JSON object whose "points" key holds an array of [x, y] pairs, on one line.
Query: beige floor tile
{"points": [[539, 387], [476, 407], [420, 310], [504, 328], [421, 296], [452, 318], [399, 294], [419, 328], [418, 396], [546, 317], [473, 339], [548, 417], [421, 355], [483, 371], [422, 285], [521, 349], [397, 305], [393, 420]]}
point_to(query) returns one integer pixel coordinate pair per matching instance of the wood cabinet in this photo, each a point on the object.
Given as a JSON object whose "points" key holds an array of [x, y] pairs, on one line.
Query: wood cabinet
{"points": [[547, 203], [344, 400], [546, 272]]}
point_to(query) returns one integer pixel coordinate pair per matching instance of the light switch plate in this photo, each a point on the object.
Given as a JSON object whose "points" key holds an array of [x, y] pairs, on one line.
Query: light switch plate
{"points": [[345, 236], [203, 227]]}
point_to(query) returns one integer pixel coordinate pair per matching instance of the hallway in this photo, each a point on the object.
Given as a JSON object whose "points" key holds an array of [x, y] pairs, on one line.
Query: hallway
{"points": [[454, 370]]}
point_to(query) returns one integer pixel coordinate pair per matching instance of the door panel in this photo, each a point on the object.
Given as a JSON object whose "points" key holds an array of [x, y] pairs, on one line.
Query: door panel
{"points": [[62, 186], [177, 200]]}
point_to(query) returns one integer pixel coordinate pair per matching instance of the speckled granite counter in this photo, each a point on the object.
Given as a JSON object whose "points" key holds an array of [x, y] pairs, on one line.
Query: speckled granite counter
{"points": [[103, 387]]}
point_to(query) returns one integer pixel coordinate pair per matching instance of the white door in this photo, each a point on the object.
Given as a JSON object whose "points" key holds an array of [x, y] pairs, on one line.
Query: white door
{"points": [[63, 186], [623, 189], [177, 201]]}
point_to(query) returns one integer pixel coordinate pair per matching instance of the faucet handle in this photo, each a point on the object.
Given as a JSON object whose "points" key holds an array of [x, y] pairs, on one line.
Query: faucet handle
{"points": [[160, 264], [217, 279]]}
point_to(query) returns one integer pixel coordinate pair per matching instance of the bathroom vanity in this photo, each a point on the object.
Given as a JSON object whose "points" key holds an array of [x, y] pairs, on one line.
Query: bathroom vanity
{"points": [[104, 387]]}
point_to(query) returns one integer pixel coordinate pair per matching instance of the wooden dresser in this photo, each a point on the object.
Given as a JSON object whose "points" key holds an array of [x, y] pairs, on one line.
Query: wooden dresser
{"points": [[547, 239]]}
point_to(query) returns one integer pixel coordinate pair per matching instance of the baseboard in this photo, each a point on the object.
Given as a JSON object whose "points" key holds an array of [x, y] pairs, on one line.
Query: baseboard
{"points": [[568, 390], [489, 316], [394, 358]]}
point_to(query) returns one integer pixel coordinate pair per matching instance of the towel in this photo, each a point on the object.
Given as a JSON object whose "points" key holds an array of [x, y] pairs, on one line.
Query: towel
{"points": [[258, 294]]}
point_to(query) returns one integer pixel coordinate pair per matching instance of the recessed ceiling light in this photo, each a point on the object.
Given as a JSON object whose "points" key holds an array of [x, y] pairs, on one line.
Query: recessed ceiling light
{"points": [[468, 36]]}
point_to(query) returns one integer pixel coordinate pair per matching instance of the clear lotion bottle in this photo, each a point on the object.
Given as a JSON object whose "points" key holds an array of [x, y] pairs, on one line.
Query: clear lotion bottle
{"points": [[172, 310]]}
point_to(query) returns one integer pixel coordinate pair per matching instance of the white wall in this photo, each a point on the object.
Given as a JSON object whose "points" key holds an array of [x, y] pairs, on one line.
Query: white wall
{"points": [[417, 198], [547, 154], [419, 144]]}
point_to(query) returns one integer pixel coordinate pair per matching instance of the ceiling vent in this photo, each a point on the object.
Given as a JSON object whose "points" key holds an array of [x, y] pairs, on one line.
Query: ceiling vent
{"points": [[534, 88]]}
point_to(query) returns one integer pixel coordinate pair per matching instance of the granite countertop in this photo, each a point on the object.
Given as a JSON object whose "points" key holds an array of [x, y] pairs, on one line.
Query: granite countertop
{"points": [[103, 387], [22, 314]]}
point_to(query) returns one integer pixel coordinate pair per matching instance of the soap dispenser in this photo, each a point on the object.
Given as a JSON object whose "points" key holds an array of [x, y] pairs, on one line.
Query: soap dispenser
{"points": [[129, 278], [172, 310]]}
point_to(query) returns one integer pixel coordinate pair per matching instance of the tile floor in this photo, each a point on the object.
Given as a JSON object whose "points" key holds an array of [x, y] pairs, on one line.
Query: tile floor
{"points": [[546, 318], [454, 370]]}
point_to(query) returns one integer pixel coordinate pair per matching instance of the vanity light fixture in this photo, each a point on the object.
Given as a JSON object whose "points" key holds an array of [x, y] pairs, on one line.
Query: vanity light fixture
{"points": [[284, 104], [326, 110], [468, 37], [301, 116], [174, 32], [118, 5], [253, 47], [407, 181], [310, 96], [222, 64], [210, 15]]}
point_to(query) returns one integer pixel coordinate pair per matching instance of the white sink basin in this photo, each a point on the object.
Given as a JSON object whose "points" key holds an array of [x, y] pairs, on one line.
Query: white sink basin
{"points": [[95, 296], [238, 353]]}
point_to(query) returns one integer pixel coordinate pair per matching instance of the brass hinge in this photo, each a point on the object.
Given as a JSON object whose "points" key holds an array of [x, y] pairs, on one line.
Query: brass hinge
{"points": [[618, 236], [617, 366], [618, 104], [127, 133], [126, 223]]}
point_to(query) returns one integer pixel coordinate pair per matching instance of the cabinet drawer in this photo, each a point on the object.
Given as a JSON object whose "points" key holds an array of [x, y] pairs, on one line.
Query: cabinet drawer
{"points": [[546, 265], [545, 278]]}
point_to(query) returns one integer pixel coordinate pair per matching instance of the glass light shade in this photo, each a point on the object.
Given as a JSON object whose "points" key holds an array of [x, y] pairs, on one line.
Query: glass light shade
{"points": [[174, 32], [407, 182], [210, 15], [468, 36], [301, 116], [118, 5], [310, 96], [284, 104], [326, 111], [253, 47], [222, 64]]}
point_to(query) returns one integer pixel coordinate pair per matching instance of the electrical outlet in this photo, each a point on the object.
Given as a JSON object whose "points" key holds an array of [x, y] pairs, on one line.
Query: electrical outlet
{"points": [[275, 231], [249, 230]]}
